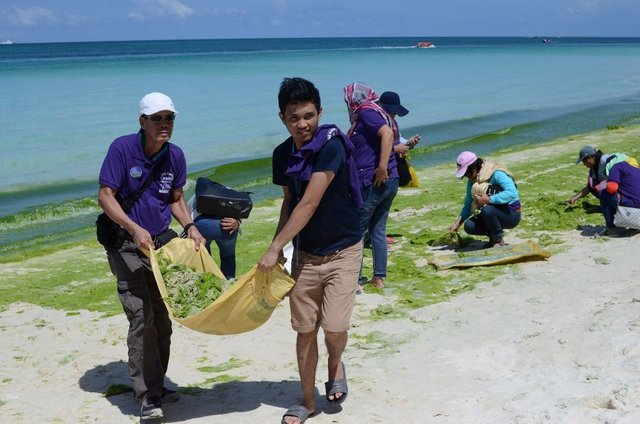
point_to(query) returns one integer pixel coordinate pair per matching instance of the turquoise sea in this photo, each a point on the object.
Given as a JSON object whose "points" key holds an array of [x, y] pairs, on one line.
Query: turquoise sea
{"points": [[63, 103]]}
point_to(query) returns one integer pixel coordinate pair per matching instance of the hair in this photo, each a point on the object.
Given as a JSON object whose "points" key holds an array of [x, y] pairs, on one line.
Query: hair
{"points": [[297, 90], [596, 158], [475, 166]]}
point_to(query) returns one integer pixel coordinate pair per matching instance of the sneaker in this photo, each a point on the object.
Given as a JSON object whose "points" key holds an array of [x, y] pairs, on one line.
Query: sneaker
{"points": [[169, 395], [151, 408]]}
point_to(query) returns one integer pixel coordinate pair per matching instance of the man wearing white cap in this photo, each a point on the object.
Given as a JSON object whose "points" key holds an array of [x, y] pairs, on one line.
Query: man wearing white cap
{"points": [[141, 187]]}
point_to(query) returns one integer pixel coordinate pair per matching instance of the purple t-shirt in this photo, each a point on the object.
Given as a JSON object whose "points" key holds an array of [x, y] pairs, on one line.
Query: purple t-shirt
{"points": [[367, 146], [628, 179], [125, 168]]}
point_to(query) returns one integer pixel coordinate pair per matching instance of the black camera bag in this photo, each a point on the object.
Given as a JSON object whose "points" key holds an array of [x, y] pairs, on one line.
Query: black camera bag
{"points": [[215, 199]]}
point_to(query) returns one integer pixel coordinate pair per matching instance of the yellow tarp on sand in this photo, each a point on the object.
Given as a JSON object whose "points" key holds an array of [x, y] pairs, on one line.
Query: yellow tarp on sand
{"points": [[511, 253], [244, 306]]}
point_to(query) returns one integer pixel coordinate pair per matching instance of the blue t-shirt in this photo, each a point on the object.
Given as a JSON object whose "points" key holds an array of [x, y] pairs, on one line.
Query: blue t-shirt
{"points": [[125, 168], [628, 179], [335, 223], [508, 194], [367, 146]]}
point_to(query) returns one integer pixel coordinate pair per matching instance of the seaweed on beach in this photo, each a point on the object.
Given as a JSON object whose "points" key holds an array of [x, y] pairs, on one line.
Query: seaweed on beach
{"points": [[438, 238], [189, 291]]}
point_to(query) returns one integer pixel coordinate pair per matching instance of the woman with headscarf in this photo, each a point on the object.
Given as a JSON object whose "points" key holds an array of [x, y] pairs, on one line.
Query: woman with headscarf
{"points": [[373, 133]]}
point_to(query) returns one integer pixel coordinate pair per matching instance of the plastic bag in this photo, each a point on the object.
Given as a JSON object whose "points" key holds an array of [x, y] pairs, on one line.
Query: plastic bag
{"points": [[627, 217], [406, 173], [415, 181], [244, 306]]}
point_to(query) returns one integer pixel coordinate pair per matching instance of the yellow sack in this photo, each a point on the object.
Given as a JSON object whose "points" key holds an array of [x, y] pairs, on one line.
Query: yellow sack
{"points": [[415, 181], [243, 307]]}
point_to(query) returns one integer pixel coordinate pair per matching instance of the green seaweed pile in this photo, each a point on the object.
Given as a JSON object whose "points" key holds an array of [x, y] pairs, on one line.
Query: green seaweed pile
{"points": [[189, 291]]}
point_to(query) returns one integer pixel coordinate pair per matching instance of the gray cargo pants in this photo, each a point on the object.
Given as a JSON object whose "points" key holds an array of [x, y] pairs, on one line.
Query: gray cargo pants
{"points": [[149, 336]]}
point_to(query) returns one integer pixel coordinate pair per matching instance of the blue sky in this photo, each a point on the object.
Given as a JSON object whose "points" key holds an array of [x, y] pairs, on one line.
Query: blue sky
{"points": [[28, 21]]}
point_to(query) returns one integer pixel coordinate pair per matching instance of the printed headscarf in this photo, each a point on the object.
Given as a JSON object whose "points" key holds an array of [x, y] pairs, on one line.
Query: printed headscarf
{"points": [[360, 96], [300, 162]]}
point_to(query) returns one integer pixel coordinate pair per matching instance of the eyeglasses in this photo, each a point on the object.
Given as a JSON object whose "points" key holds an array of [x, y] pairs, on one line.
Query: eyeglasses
{"points": [[156, 119]]}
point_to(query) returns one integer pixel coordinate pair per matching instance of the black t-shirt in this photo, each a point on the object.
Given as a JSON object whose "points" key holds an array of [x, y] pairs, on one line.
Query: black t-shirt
{"points": [[335, 224]]}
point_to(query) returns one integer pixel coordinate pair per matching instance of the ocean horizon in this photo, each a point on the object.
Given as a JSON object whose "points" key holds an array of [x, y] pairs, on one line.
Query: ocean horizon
{"points": [[66, 102]]}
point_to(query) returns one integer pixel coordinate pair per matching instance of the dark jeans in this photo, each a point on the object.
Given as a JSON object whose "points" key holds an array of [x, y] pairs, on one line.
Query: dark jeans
{"points": [[373, 218], [149, 336], [210, 228], [491, 221], [609, 205]]}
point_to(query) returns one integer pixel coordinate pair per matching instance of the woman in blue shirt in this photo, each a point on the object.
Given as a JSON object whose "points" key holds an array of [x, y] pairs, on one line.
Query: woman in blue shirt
{"points": [[492, 199]]}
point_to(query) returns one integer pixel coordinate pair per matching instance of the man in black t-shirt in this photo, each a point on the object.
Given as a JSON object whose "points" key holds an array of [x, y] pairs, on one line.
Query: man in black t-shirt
{"points": [[320, 214]]}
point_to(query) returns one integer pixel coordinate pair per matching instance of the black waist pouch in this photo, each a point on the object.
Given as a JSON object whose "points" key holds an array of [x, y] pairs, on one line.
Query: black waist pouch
{"points": [[163, 238], [110, 235]]}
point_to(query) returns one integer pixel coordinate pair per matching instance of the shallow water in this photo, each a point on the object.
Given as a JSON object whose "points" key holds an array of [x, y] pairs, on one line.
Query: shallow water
{"points": [[66, 102]]}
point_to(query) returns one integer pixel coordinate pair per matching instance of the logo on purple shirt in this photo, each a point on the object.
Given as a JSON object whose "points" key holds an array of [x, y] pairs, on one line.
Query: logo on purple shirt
{"points": [[135, 172]]}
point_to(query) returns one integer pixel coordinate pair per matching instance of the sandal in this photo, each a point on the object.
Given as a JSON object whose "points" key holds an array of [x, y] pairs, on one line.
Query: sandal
{"points": [[338, 385], [297, 411]]}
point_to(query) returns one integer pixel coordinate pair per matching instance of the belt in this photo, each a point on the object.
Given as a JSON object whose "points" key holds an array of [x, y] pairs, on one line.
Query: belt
{"points": [[322, 256]]}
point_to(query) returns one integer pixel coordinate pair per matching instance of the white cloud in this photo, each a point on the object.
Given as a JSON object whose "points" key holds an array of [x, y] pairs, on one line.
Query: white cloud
{"points": [[32, 16], [584, 7], [176, 8], [275, 22], [135, 16], [161, 8], [236, 12], [76, 20]]}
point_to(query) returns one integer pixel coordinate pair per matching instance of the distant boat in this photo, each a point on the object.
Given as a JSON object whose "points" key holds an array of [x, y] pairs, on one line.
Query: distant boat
{"points": [[6, 42], [425, 45]]}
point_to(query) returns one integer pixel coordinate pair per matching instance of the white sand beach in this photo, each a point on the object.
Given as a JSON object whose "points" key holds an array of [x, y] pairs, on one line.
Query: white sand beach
{"points": [[556, 341]]}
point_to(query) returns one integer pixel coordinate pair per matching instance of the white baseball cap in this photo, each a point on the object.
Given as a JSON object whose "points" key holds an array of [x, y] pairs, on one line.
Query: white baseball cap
{"points": [[156, 102]]}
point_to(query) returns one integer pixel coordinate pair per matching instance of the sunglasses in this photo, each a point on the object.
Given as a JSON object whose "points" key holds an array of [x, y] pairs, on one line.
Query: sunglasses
{"points": [[159, 118]]}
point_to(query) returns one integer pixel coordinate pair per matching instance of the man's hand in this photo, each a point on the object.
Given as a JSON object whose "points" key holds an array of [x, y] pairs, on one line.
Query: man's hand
{"points": [[142, 238], [268, 260]]}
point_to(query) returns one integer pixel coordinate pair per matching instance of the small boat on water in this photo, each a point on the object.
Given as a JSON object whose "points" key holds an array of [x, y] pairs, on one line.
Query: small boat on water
{"points": [[6, 42], [425, 45]]}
